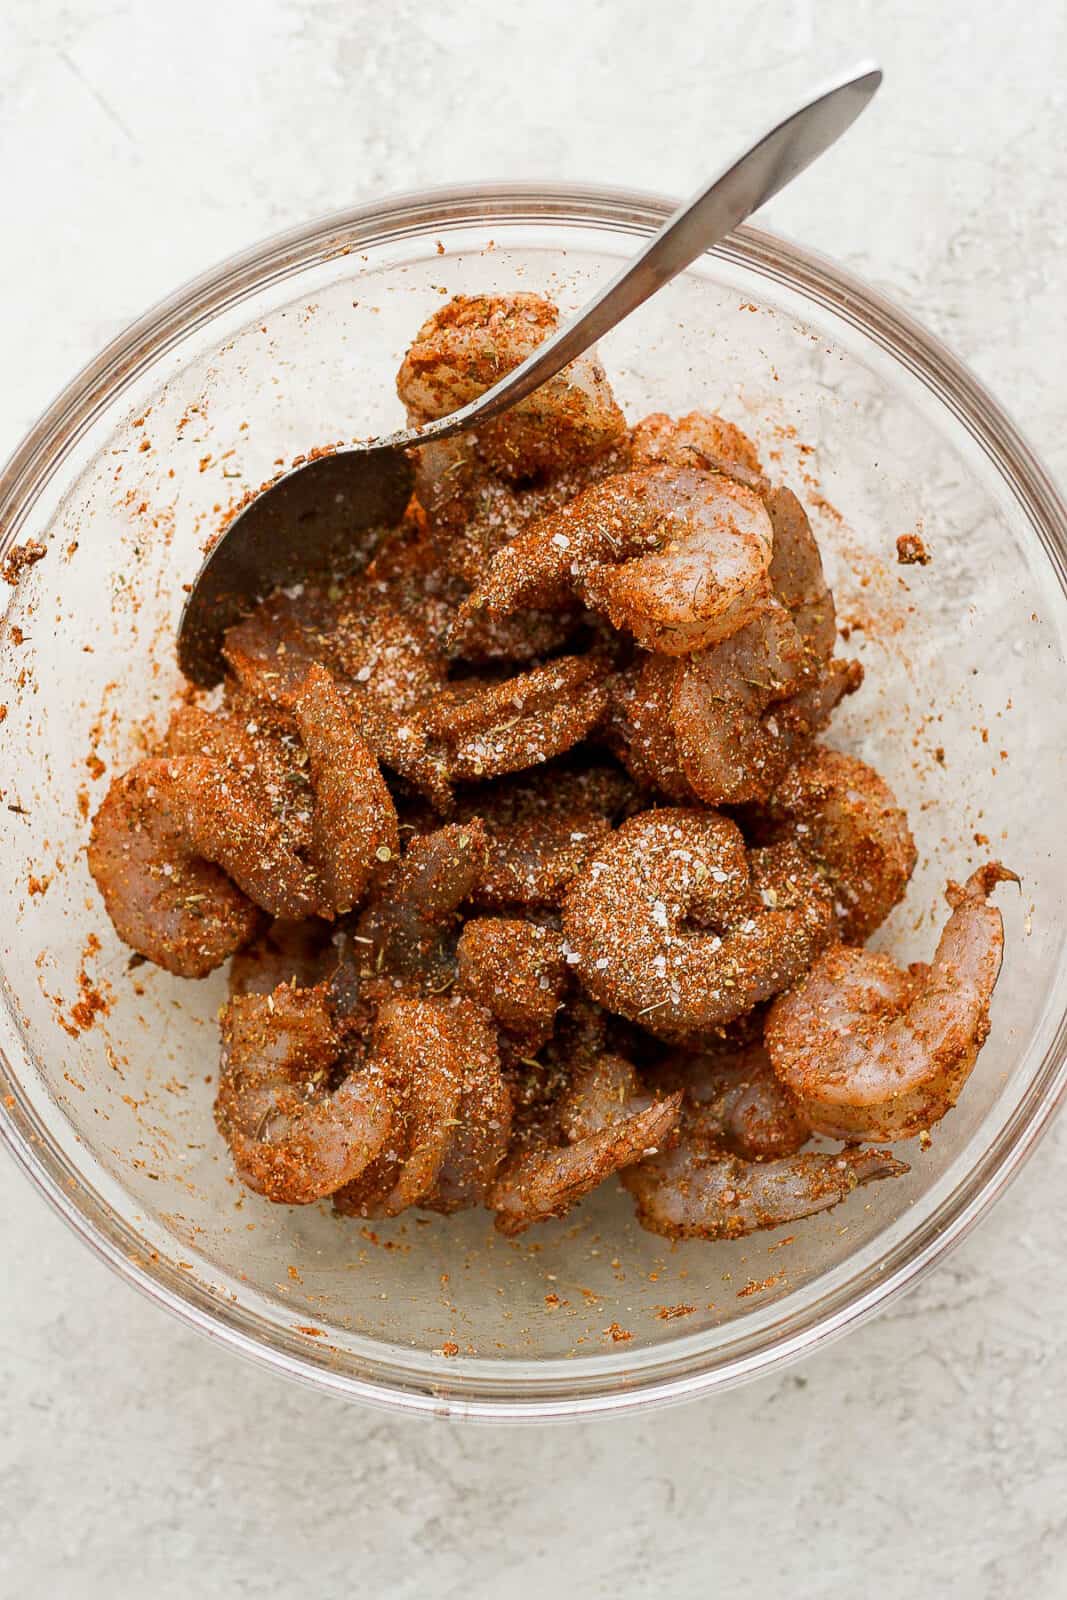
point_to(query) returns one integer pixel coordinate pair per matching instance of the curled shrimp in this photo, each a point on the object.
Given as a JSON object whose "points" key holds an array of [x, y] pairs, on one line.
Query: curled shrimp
{"points": [[871, 1051], [472, 513], [515, 970], [293, 811], [487, 729], [700, 439], [353, 826], [734, 1098], [293, 1137], [261, 746], [797, 576], [183, 853], [542, 827], [451, 1110], [723, 724], [674, 925], [405, 929], [469, 344], [384, 663], [542, 1181], [843, 815], [422, 577], [733, 1165], [678, 557], [699, 1191]]}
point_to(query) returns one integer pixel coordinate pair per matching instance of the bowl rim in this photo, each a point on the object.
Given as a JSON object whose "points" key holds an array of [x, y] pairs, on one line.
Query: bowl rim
{"points": [[668, 1372]]}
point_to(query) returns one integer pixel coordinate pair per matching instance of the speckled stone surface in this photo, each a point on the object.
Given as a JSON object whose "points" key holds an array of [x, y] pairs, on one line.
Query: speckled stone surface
{"points": [[924, 1455]]}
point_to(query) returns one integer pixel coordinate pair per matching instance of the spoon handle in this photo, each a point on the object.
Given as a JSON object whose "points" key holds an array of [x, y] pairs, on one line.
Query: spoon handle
{"points": [[739, 190]]}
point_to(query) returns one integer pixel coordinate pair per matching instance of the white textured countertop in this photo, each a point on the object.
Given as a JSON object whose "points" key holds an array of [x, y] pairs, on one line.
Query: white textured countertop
{"points": [[924, 1455]]}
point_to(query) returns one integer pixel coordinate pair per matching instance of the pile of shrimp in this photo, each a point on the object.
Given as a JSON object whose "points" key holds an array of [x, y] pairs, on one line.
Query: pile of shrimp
{"points": [[524, 849]]}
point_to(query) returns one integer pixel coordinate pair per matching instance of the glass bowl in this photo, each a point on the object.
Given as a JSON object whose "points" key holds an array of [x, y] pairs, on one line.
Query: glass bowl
{"points": [[107, 1066]]}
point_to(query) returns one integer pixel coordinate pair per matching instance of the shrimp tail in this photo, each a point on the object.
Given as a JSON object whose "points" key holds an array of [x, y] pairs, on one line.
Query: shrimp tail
{"points": [[980, 884]]}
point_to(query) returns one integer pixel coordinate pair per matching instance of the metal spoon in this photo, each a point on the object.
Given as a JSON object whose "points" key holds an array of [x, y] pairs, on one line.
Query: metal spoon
{"points": [[319, 510]]}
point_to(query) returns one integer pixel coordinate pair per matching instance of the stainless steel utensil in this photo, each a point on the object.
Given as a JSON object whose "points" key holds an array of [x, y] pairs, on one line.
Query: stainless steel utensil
{"points": [[315, 512]]}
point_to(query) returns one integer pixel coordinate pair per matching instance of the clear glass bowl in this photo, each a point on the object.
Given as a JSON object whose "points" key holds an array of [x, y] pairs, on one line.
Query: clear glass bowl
{"points": [[295, 344]]}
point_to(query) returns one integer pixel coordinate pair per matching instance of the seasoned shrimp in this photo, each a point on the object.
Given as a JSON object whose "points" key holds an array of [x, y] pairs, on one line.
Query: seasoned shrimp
{"points": [[846, 818], [678, 557], [700, 439], [471, 513], [183, 853], [604, 1090], [404, 929], [516, 971], [698, 1191], [487, 729], [540, 1181], [871, 1051], [385, 664], [421, 578], [733, 1098], [316, 775], [295, 1139], [797, 576], [469, 344], [675, 926], [354, 823], [451, 1110], [262, 746], [542, 827], [723, 724]]}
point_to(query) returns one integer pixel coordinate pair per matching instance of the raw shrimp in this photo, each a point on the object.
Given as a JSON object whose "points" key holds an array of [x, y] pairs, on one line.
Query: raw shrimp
{"points": [[540, 1181], [675, 926], [469, 344], [422, 579], [404, 930], [384, 662], [471, 513], [797, 576], [698, 1191], [678, 557], [516, 971], [722, 726], [482, 1130], [733, 1098], [846, 818], [700, 439], [451, 1110], [318, 777], [871, 1051], [180, 850], [487, 729], [353, 825], [542, 828], [259, 744], [293, 1138], [605, 1089]]}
